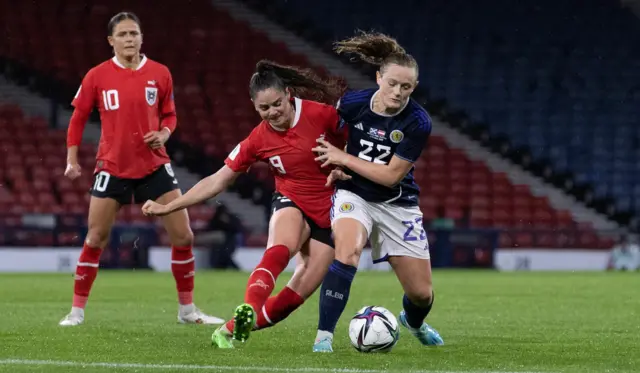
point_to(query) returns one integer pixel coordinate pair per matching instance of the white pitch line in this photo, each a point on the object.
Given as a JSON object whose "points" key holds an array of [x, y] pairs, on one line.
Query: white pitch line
{"points": [[218, 368]]}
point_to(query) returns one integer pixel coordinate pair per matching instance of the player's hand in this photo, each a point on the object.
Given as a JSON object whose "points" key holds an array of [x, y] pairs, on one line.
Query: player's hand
{"points": [[156, 139], [329, 154], [151, 208], [335, 175], [72, 171]]}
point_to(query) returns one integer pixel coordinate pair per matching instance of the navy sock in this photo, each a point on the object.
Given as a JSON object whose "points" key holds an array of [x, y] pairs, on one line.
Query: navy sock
{"points": [[416, 314], [334, 294]]}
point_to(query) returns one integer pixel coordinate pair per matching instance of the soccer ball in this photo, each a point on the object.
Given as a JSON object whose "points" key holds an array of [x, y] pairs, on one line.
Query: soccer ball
{"points": [[374, 329]]}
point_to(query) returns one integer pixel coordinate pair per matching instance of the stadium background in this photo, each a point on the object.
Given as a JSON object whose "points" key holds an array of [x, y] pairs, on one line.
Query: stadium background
{"points": [[535, 144], [533, 165]]}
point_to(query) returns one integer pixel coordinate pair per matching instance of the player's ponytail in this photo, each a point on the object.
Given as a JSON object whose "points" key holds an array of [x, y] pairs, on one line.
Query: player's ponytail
{"points": [[302, 83], [376, 49]]}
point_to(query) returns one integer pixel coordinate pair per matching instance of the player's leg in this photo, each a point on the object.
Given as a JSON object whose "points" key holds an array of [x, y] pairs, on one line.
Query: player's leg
{"points": [[403, 240], [351, 227], [280, 305], [108, 193], [162, 186], [183, 263], [285, 230], [285, 224], [415, 276], [313, 261]]}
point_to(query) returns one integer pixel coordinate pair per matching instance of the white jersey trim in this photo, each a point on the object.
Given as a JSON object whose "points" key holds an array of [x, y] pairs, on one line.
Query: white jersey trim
{"points": [[298, 103], [142, 62]]}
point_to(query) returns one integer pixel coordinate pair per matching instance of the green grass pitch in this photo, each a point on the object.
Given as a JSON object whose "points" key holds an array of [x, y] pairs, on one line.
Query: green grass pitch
{"points": [[490, 321]]}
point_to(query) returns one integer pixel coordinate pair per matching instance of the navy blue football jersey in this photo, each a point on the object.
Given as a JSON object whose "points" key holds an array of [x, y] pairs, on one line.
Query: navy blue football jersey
{"points": [[377, 138]]}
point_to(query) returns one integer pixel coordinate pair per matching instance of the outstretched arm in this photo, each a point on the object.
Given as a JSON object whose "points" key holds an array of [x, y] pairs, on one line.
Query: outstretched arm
{"points": [[205, 189]]}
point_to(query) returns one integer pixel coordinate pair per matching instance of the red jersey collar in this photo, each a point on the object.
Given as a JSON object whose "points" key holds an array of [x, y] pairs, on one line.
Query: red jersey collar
{"points": [[143, 61]]}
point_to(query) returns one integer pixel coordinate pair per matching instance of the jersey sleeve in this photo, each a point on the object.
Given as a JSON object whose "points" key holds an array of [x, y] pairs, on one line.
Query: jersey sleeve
{"points": [[85, 98], [342, 115], [167, 105], [243, 155], [331, 120], [414, 139], [351, 105]]}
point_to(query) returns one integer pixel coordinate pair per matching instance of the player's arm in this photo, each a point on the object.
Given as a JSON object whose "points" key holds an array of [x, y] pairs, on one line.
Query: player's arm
{"points": [[238, 162], [205, 189], [83, 103], [168, 117], [407, 152], [383, 174]]}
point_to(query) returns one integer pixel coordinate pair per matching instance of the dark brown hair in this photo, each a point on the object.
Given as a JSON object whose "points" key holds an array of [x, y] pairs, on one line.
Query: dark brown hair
{"points": [[376, 49], [119, 18], [303, 83]]}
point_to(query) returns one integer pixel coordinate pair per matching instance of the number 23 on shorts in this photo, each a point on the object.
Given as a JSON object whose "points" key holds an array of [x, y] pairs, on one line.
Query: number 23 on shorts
{"points": [[415, 231]]}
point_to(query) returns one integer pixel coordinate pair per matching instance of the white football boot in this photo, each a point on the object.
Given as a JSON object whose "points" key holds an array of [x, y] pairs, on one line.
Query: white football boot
{"points": [[74, 318], [190, 314]]}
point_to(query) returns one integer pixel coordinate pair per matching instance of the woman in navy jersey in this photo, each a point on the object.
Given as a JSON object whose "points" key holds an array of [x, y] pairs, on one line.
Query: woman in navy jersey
{"points": [[387, 132]]}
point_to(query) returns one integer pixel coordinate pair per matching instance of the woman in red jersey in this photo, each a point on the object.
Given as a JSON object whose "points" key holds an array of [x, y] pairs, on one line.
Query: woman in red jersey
{"points": [[300, 220], [134, 96]]}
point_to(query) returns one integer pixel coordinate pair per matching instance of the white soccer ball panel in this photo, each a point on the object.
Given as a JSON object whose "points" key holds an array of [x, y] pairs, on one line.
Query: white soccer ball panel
{"points": [[373, 329], [378, 334], [390, 316], [356, 326]]}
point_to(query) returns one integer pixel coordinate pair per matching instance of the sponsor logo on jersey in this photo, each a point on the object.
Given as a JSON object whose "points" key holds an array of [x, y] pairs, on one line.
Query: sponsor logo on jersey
{"points": [[396, 136], [151, 82], [151, 94], [346, 207], [359, 126]]}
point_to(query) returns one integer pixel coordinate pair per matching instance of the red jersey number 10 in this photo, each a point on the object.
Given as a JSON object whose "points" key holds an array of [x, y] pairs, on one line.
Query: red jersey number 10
{"points": [[110, 99]]}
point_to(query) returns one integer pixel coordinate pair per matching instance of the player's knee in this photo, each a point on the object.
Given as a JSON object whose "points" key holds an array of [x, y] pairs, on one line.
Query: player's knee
{"points": [[421, 296], [348, 255], [182, 238], [97, 237]]}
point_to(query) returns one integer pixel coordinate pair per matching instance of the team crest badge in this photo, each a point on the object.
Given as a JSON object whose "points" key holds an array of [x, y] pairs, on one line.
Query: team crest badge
{"points": [[346, 207], [151, 93], [396, 136]]}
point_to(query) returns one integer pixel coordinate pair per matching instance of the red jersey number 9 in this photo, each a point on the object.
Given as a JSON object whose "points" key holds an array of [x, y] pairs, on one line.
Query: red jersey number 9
{"points": [[276, 162]]}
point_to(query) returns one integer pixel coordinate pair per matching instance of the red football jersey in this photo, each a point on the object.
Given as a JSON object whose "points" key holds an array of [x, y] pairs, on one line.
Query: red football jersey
{"points": [[131, 104], [298, 176]]}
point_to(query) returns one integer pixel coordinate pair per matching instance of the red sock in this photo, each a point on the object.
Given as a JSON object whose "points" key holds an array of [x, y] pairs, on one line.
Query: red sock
{"points": [[86, 272], [278, 308], [230, 325], [263, 279], [183, 267]]}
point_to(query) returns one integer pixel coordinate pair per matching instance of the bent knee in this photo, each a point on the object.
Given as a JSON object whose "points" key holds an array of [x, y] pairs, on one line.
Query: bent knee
{"points": [[349, 255], [421, 296], [182, 238]]}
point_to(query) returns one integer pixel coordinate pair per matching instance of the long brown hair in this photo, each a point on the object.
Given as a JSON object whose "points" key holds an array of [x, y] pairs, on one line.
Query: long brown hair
{"points": [[376, 49], [303, 83]]}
